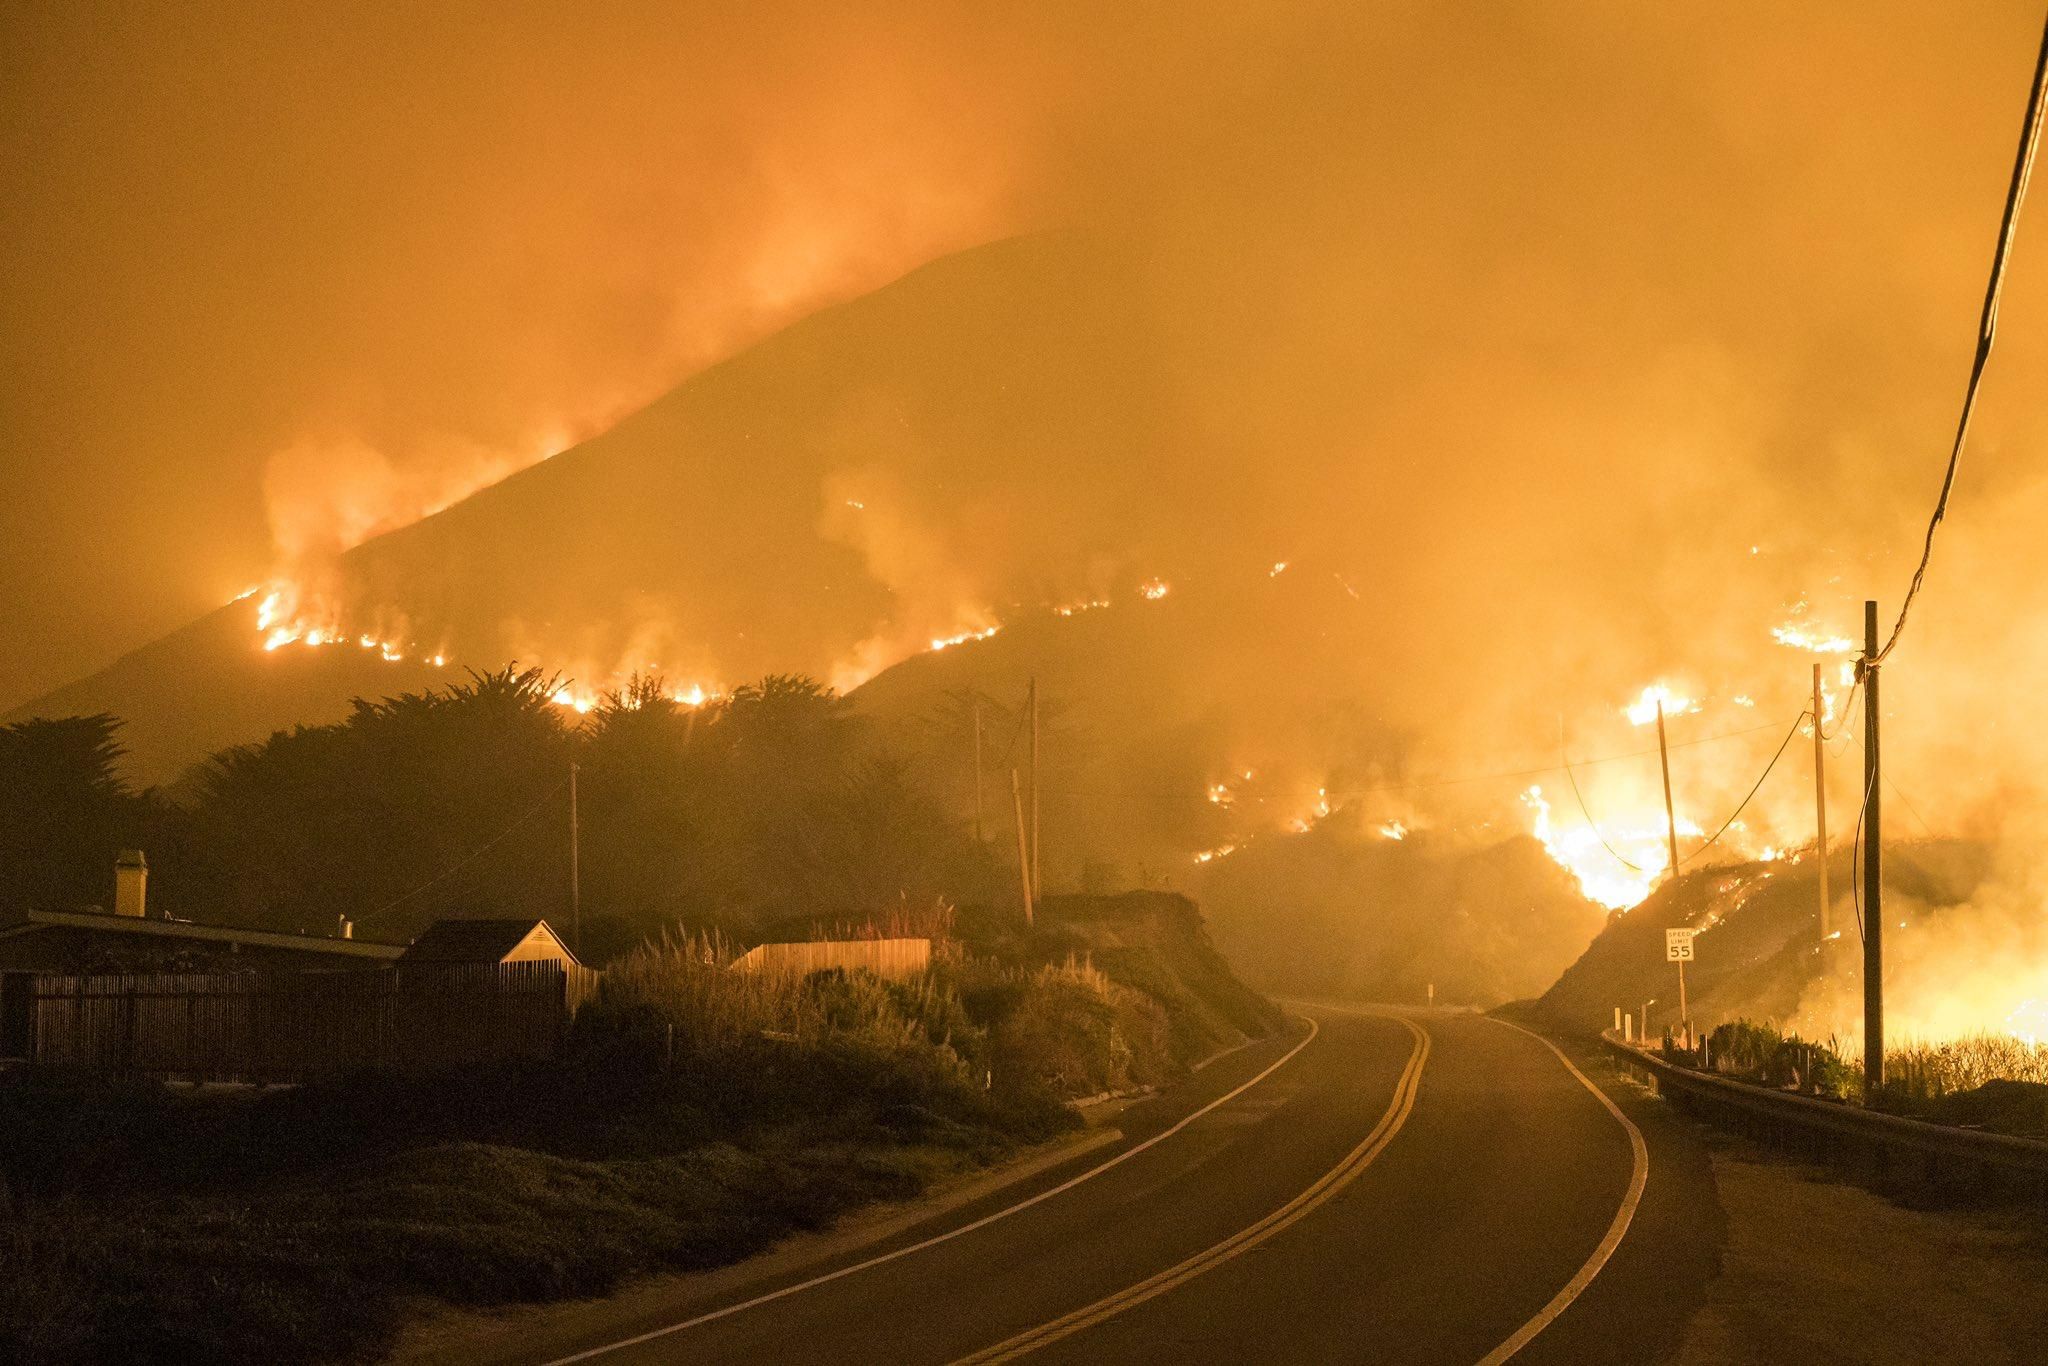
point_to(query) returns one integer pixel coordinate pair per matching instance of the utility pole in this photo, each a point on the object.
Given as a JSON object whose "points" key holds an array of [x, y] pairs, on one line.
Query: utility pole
{"points": [[1036, 885], [1820, 810], [575, 870], [1873, 881], [1023, 853], [1671, 833], [1670, 816], [977, 769]]}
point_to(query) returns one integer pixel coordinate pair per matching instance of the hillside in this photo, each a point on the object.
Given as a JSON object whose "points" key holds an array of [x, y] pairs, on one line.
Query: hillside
{"points": [[1758, 955], [710, 536]]}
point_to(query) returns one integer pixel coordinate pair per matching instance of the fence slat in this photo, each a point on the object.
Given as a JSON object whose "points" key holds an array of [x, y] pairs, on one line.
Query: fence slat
{"points": [[295, 1027]]}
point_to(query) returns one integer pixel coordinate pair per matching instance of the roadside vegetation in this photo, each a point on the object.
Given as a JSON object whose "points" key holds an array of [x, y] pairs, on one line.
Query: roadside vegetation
{"points": [[695, 1114], [1993, 1082], [698, 1115]]}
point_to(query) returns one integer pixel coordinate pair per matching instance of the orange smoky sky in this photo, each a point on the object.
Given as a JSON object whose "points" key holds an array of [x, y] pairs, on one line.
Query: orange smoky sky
{"points": [[261, 259], [1534, 317]]}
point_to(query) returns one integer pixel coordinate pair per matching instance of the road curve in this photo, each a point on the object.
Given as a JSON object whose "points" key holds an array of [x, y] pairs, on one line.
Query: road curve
{"points": [[1381, 1186]]}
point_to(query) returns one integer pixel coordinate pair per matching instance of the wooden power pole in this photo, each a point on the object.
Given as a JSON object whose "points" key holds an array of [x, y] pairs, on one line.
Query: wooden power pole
{"points": [[1873, 881], [977, 769], [1037, 886], [1670, 815], [1820, 810], [1023, 852]]}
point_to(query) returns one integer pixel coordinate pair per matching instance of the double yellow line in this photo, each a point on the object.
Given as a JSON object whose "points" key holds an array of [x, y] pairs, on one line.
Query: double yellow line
{"points": [[1325, 1188]]}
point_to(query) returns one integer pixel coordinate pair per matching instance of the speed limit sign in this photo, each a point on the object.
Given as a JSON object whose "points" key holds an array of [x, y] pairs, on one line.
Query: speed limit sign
{"points": [[1678, 945]]}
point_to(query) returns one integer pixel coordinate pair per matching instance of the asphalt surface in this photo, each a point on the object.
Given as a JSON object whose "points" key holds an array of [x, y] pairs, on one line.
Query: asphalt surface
{"points": [[1409, 1186]]}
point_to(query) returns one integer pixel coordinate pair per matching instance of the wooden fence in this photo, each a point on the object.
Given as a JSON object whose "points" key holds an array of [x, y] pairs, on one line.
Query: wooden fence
{"points": [[893, 958], [279, 1027]]}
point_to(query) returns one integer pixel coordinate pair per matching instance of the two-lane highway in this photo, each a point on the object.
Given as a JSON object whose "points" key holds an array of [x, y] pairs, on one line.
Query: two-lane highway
{"points": [[1378, 1186]]}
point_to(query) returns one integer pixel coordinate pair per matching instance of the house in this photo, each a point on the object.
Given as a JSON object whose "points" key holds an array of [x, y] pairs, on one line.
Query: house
{"points": [[131, 940], [94, 941], [488, 941]]}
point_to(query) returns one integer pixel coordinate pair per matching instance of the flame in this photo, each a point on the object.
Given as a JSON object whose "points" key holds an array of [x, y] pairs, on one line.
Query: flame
{"points": [[1152, 590], [1220, 794], [581, 702], [1600, 875], [1643, 710], [1394, 830], [1211, 855], [948, 642], [1071, 609], [1279, 568], [1797, 637]]}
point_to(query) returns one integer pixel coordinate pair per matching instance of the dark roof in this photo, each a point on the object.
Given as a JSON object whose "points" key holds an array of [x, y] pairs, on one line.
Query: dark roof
{"points": [[102, 922], [471, 941]]}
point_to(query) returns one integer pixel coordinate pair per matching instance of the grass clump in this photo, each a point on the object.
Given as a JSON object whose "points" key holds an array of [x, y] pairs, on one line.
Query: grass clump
{"points": [[1987, 1081]]}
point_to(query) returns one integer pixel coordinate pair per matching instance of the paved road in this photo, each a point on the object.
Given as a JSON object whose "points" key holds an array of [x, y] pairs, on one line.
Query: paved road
{"points": [[1387, 1187]]}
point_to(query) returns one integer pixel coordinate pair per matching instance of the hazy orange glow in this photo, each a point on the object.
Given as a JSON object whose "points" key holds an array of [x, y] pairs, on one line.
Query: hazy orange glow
{"points": [[1450, 376]]}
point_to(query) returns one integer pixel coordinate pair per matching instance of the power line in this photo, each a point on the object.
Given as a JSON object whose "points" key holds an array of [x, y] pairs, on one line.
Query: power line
{"points": [[472, 856], [1848, 705], [1592, 824], [1177, 795], [1987, 330], [1754, 789], [1856, 857]]}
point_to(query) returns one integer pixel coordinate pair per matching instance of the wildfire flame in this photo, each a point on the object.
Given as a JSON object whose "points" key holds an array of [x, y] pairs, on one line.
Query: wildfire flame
{"points": [[1602, 876], [948, 642], [1643, 710], [1797, 637]]}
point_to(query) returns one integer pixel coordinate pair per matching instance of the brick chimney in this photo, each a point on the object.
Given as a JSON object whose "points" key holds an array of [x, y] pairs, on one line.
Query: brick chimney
{"points": [[131, 883]]}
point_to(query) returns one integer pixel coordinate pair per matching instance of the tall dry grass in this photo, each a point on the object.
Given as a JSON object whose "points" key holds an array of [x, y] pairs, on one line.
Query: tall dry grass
{"points": [[1929, 1071]]}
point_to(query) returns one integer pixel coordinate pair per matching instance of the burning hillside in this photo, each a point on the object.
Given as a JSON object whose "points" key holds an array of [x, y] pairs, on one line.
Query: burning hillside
{"points": [[1367, 463]]}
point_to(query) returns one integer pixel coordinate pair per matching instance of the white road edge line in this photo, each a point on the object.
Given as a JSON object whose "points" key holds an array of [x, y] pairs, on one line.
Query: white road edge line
{"points": [[1638, 1178], [1325, 1188], [950, 1234]]}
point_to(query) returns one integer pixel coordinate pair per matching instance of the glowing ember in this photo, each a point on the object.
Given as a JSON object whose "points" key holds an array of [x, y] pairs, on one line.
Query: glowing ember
{"points": [[1152, 590], [1277, 570], [1072, 609], [1220, 794]]}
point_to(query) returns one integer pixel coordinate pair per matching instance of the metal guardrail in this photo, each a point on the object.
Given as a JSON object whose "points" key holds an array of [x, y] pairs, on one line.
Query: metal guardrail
{"points": [[1839, 1125]]}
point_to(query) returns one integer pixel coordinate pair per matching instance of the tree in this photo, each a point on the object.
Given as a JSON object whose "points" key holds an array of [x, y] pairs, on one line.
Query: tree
{"points": [[65, 811]]}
